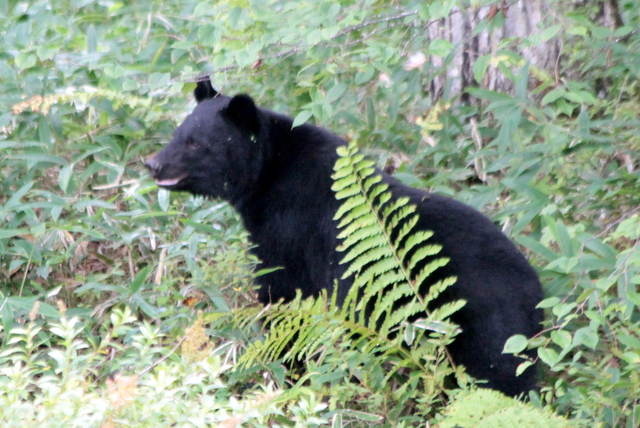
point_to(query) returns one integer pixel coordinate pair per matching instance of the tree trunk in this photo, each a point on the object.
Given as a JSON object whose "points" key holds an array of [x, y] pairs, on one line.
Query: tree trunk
{"points": [[520, 20]]}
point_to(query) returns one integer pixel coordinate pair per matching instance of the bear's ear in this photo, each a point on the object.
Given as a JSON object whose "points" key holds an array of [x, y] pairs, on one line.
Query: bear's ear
{"points": [[204, 89], [244, 113]]}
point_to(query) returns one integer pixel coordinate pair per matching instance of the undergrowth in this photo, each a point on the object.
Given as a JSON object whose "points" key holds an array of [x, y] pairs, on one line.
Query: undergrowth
{"points": [[64, 384]]}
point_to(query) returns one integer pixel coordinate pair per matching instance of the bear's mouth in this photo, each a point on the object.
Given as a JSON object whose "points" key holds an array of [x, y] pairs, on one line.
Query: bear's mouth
{"points": [[170, 182]]}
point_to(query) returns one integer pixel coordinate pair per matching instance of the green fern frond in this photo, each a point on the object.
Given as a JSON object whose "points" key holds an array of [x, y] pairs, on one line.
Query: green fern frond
{"points": [[382, 248], [385, 308]]}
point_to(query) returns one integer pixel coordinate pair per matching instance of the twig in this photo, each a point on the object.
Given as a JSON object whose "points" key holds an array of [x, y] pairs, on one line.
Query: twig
{"points": [[380, 20], [164, 357]]}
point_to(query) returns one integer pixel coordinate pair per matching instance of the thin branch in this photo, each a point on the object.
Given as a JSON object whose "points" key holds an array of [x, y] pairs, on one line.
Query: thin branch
{"points": [[374, 21], [164, 357]]}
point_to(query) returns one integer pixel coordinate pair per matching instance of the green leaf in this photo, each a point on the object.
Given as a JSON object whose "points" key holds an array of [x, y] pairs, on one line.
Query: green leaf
{"points": [[360, 416], [549, 356], [84, 204], [10, 233], [208, 35], [164, 199], [409, 334], [158, 80], [548, 302], [200, 227], [35, 158], [586, 336], [145, 306], [139, 280], [440, 9], [550, 32], [302, 118], [47, 52], [536, 247], [92, 39], [522, 82], [129, 85], [562, 339], [363, 76], [492, 96], [64, 176], [440, 47], [26, 304], [600, 32], [335, 92], [371, 114], [100, 287], [552, 96], [624, 31], [25, 60], [578, 30], [17, 195], [564, 239], [480, 66], [515, 344]]}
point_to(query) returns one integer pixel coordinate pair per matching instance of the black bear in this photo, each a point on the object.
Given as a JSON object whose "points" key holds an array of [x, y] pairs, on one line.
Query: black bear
{"points": [[279, 179]]}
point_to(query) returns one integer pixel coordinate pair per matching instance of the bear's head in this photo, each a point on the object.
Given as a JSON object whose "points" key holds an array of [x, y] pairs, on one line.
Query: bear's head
{"points": [[216, 151]]}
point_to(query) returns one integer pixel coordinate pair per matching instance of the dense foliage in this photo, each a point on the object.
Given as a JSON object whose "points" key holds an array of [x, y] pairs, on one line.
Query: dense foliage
{"points": [[101, 274]]}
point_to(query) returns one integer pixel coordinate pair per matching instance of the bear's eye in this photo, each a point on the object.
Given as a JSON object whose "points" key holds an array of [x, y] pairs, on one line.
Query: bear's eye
{"points": [[191, 143]]}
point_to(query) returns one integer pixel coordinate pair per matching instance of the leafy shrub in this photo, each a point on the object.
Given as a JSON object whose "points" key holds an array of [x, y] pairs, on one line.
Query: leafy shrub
{"points": [[484, 408], [64, 385]]}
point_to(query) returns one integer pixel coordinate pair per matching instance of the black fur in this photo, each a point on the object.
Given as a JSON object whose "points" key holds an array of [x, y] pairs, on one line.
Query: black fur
{"points": [[279, 180], [204, 89]]}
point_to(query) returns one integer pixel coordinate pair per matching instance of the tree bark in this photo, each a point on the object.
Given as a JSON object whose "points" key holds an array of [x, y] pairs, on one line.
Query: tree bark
{"points": [[522, 19]]}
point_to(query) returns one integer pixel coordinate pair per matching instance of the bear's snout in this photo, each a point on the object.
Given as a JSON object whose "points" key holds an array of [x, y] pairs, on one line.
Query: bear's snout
{"points": [[153, 166]]}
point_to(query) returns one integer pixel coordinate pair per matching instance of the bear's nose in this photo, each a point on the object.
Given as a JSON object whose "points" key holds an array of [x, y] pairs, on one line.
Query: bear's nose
{"points": [[153, 166]]}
